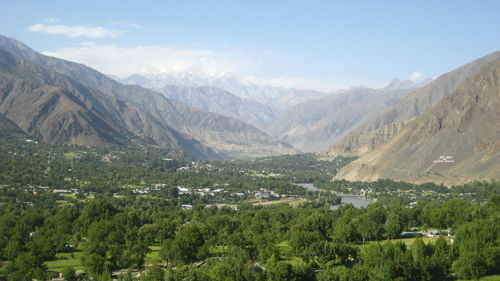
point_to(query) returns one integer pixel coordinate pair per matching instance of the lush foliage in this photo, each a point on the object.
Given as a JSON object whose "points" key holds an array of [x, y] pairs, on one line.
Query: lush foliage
{"points": [[108, 224]]}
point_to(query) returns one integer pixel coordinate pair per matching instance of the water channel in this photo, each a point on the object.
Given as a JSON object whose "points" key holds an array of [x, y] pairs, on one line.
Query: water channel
{"points": [[356, 201]]}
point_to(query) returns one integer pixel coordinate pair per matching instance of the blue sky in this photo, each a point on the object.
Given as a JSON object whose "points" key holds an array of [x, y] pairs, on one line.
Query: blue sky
{"points": [[322, 45]]}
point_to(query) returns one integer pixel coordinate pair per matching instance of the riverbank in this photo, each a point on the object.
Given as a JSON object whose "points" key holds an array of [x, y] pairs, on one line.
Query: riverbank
{"points": [[356, 200]]}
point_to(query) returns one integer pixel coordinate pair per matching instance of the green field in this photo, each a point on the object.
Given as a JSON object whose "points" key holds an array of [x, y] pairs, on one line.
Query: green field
{"points": [[488, 278], [409, 241], [65, 260], [70, 154], [286, 252], [154, 255]]}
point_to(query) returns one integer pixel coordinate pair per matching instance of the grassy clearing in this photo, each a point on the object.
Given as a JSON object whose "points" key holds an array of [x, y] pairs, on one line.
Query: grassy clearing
{"points": [[154, 255], [220, 250], [70, 154], [409, 241], [65, 260], [285, 249], [488, 278], [286, 252], [64, 203], [71, 195], [491, 278], [133, 186], [289, 201]]}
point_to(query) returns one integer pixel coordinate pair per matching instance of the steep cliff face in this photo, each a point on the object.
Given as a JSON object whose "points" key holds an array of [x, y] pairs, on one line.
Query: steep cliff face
{"points": [[375, 132], [456, 141]]}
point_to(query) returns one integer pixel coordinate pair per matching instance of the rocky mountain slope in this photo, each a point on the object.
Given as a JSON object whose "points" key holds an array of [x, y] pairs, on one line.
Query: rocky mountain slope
{"points": [[221, 101], [456, 141], [56, 109], [6, 124], [377, 131], [398, 84], [314, 125], [225, 135]]}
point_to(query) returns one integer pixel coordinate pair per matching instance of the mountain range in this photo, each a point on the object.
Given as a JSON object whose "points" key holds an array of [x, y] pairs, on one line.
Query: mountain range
{"points": [[310, 121], [456, 141], [220, 101], [314, 125], [444, 130], [277, 98], [377, 131], [82, 106]]}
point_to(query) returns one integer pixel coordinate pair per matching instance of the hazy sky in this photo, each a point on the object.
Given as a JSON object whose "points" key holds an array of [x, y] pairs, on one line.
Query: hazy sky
{"points": [[322, 45]]}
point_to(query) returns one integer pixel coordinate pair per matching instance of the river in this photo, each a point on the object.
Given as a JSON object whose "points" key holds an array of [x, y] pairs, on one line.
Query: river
{"points": [[356, 201]]}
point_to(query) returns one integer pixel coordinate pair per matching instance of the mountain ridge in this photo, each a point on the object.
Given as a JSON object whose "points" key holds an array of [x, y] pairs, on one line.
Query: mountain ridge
{"points": [[455, 142], [277, 98], [220, 101], [373, 133], [224, 134], [314, 125], [57, 109]]}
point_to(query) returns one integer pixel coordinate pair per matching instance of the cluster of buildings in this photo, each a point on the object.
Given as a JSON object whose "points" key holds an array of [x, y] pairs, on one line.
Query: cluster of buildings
{"points": [[430, 233], [264, 194], [196, 166], [217, 189]]}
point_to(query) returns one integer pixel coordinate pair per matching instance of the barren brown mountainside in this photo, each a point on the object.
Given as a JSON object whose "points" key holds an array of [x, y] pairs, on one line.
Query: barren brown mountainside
{"points": [[6, 124], [154, 116], [314, 125], [377, 131], [456, 141], [56, 109], [220, 101]]}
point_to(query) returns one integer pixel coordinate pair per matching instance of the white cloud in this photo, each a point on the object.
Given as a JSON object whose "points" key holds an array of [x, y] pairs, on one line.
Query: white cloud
{"points": [[120, 61], [247, 66], [51, 20], [72, 31], [416, 76], [126, 24], [88, 43]]}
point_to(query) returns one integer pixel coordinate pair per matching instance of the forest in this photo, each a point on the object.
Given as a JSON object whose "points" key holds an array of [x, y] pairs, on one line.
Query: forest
{"points": [[124, 217]]}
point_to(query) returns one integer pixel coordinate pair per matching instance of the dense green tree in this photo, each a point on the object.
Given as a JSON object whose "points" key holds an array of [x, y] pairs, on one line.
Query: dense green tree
{"points": [[69, 274], [394, 224], [388, 261], [281, 271], [154, 273], [189, 239], [337, 273], [27, 266], [367, 227]]}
